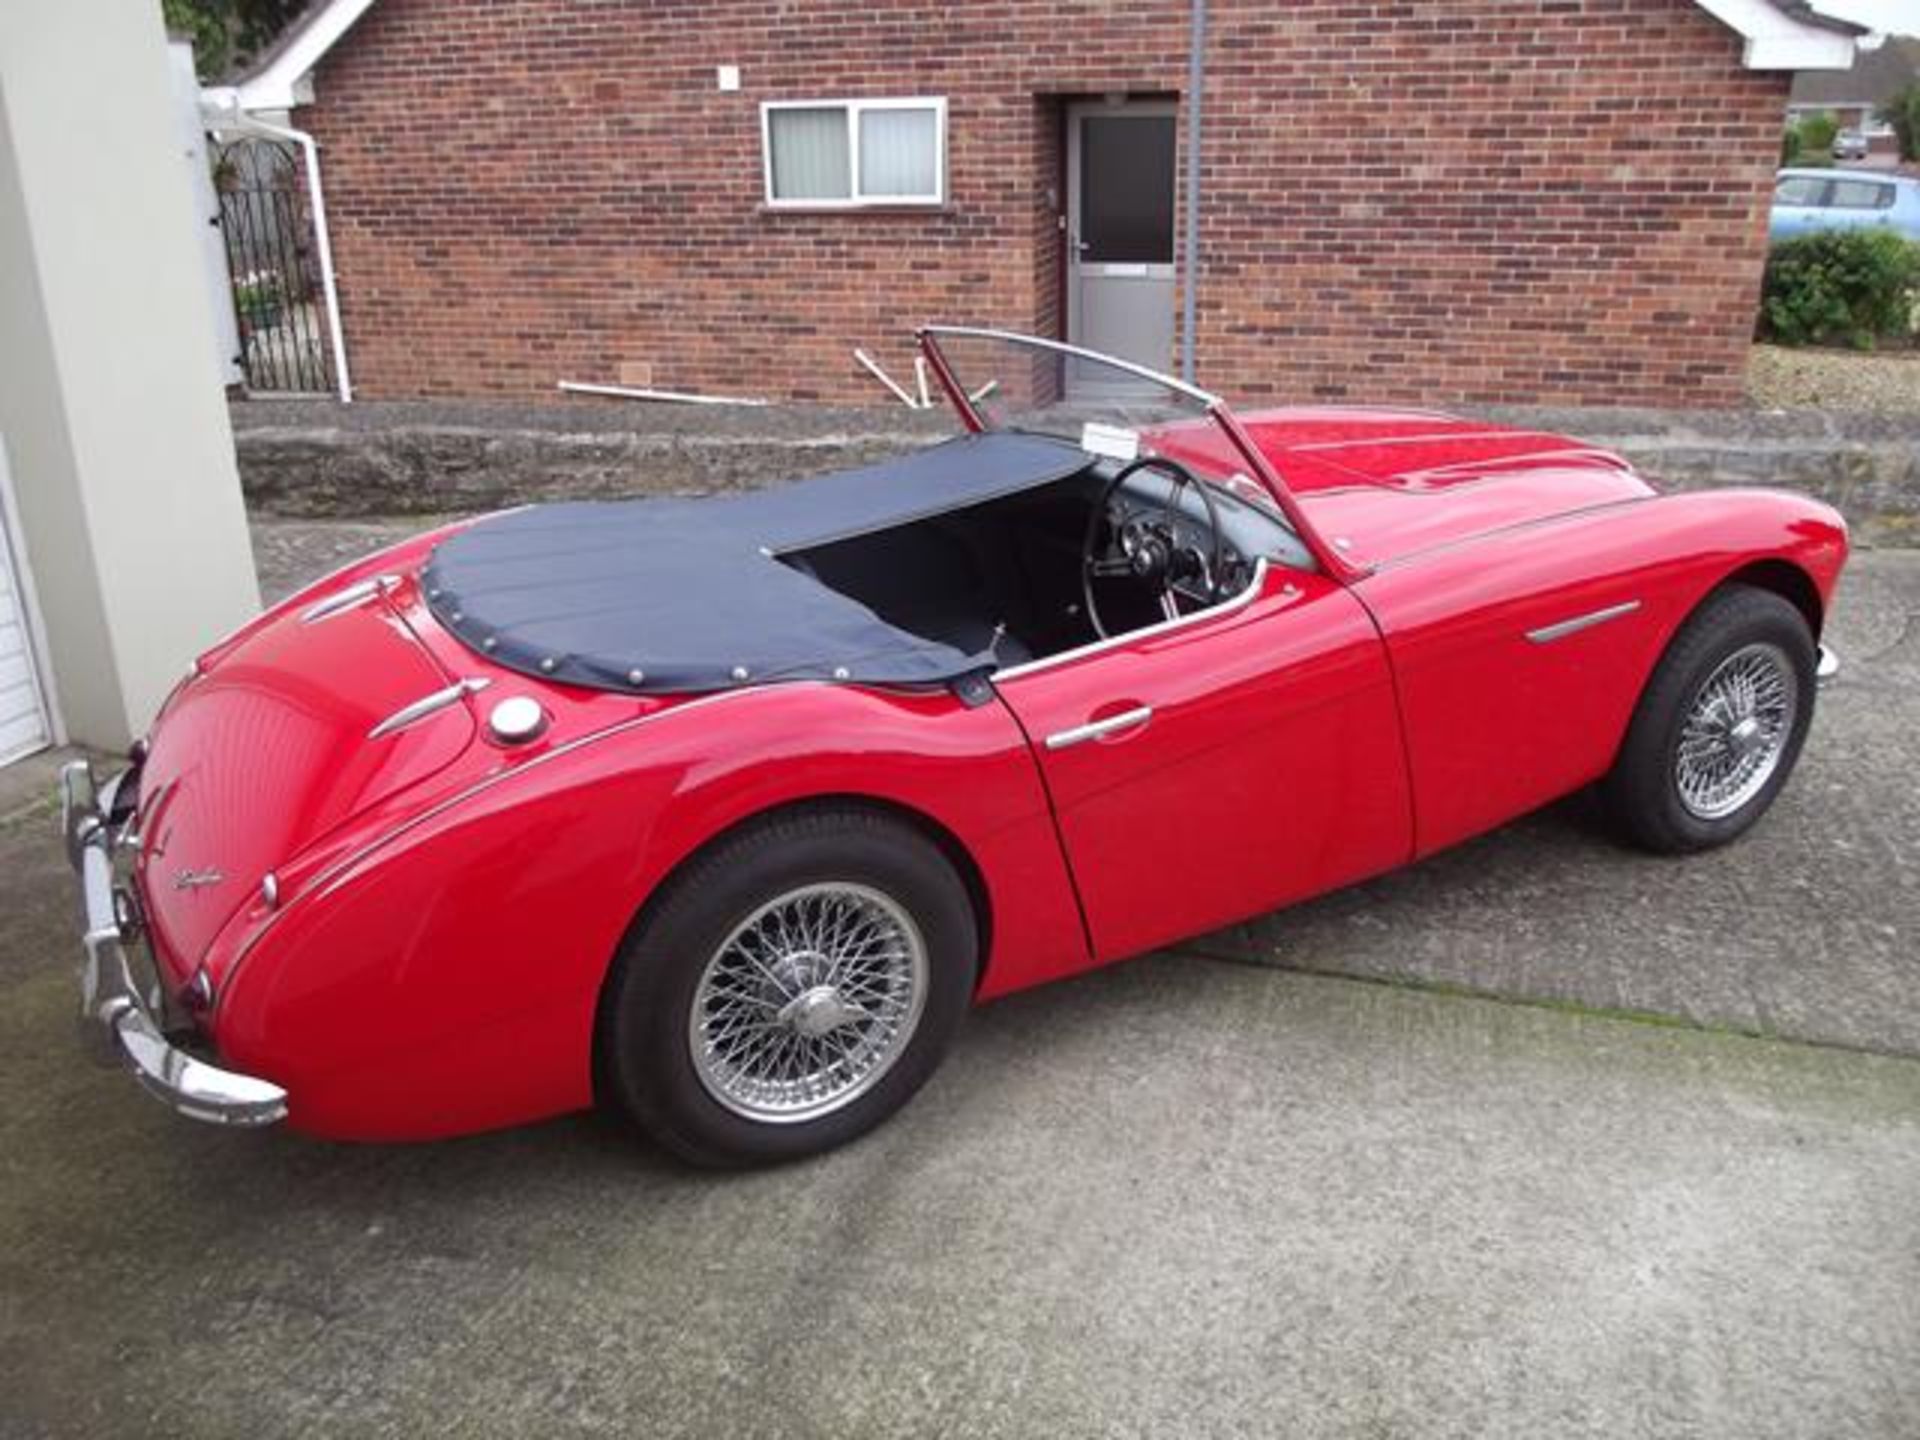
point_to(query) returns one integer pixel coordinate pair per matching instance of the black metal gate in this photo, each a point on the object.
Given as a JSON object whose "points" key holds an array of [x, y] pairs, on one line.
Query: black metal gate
{"points": [[267, 218]]}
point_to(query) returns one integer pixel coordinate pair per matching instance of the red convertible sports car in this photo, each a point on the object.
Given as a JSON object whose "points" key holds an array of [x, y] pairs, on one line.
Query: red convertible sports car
{"points": [[724, 811]]}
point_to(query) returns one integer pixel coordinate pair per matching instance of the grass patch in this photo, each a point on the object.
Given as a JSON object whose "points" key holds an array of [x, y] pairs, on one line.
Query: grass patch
{"points": [[1559, 1005]]}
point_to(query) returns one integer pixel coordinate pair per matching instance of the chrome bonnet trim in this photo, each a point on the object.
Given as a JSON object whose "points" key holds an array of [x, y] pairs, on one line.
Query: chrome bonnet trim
{"points": [[427, 705], [1560, 629], [355, 594]]}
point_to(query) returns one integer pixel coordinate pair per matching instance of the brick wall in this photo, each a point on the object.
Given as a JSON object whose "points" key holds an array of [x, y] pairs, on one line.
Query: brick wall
{"points": [[1435, 201]]}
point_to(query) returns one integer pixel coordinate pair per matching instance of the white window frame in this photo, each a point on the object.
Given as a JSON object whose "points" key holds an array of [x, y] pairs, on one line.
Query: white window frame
{"points": [[853, 110]]}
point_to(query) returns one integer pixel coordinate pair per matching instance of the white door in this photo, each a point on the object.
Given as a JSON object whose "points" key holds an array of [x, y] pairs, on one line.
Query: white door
{"points": [[1120, 186], [23, 711]]}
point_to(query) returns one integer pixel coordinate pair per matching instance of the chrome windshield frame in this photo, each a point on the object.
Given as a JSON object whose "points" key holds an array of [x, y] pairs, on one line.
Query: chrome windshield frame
{"points": [[1059, 347], [1326, 556]]}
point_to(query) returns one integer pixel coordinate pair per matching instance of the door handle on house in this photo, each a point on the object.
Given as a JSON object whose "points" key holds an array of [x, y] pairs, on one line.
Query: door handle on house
{"points": [[1094, 729]]}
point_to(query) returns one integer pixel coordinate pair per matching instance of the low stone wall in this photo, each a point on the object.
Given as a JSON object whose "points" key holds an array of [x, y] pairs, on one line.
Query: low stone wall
{"points": [[315, 460], [321, 460]]}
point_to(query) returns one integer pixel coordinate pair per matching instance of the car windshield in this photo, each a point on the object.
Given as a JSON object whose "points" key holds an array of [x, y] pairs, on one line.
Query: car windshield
{"points": [[1107, 406]]}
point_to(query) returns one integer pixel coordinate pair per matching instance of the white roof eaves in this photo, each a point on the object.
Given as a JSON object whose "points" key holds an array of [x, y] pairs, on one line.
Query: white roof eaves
{"points": [[1778, 39], [283, 81], [1775, 40]]}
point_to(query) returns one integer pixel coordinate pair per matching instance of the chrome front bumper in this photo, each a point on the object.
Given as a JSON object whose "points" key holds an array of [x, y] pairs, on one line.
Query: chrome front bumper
{"points": [[1827, 666], [118, 1024]]}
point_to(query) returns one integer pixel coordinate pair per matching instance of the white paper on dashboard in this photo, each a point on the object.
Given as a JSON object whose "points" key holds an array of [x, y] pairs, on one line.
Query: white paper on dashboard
{"points": [[1116, 442]]}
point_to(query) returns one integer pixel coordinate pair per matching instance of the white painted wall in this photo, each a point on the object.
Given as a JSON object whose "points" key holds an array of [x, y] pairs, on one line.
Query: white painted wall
{"points": [[110, 394]]}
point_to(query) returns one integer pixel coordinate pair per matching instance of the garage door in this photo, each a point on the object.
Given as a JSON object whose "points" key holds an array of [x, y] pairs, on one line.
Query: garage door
{"points": [[23, 713]]}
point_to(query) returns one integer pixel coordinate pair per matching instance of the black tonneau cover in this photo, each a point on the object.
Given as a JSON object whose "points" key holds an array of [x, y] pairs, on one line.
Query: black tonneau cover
{"points": [[677, 595]]}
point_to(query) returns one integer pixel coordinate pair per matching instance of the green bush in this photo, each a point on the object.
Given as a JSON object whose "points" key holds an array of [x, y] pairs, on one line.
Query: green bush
{"points": [[1790, 143], [1849, 287], [1902, 112], [1817, 134]]}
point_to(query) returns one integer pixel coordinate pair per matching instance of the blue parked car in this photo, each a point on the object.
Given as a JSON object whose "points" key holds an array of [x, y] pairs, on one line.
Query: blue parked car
{"points": [[1808, 200]]}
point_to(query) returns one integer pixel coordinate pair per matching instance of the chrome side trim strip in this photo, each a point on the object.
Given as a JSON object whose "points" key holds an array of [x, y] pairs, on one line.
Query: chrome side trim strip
{"points": [[1533, 457], [1146, 632], [1094, 729], [427, 705], [346, 599], [1517, 527], [1560, 629], [1424, 438]]}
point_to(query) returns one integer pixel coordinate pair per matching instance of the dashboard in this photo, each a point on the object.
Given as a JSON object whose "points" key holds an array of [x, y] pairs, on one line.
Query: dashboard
{"points": [[1151, 510]]}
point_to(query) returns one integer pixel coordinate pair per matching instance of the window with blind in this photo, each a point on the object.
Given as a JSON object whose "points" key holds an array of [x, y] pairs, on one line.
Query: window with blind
{"points": [[850, 153]]}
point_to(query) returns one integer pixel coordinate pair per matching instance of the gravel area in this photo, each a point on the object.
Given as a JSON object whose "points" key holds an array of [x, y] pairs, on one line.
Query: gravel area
{"points": [[288, 554], [1779, 378]]}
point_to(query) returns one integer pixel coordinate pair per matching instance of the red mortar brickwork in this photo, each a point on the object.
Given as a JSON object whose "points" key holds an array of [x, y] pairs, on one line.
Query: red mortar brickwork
{"points": [[1434, 201]]}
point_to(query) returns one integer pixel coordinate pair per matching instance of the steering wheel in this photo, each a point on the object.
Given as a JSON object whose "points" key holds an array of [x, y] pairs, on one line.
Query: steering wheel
{"points": [[1144, 546]]}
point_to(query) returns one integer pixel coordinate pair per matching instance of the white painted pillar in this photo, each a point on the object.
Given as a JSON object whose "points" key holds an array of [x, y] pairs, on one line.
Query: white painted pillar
{"points": [[206, 210], [110, 392]]}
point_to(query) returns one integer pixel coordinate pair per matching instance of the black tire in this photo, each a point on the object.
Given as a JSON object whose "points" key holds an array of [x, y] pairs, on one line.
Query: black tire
{"points": [[1643, 791], [646, 1050]]}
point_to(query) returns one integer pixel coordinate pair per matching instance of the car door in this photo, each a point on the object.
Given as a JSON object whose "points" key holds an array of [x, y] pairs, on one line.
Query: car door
{"points": [[1906, 210], [1208, 768], [1798, 202], [1518, 660], [1858, 203]]}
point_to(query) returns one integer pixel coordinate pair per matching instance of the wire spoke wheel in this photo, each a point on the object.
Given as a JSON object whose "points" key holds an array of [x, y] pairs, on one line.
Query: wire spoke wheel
{"points": [[1736, 731], [808, 1002]]}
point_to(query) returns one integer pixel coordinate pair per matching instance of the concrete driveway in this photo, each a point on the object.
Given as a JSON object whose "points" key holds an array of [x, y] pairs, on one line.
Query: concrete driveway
{"points": [[1177, 1197]]}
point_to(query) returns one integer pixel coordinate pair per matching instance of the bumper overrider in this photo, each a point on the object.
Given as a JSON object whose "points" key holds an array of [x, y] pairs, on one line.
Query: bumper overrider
{"points": [[119, 1025]]}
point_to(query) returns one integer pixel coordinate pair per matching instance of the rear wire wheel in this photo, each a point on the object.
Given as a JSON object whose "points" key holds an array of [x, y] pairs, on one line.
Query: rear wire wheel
{"points": [[1720, 725], [793, 985], [808, 1003]]}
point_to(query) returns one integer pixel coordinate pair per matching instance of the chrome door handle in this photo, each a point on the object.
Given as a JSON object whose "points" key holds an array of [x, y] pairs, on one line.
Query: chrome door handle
{"points": [[1094, 729]]}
